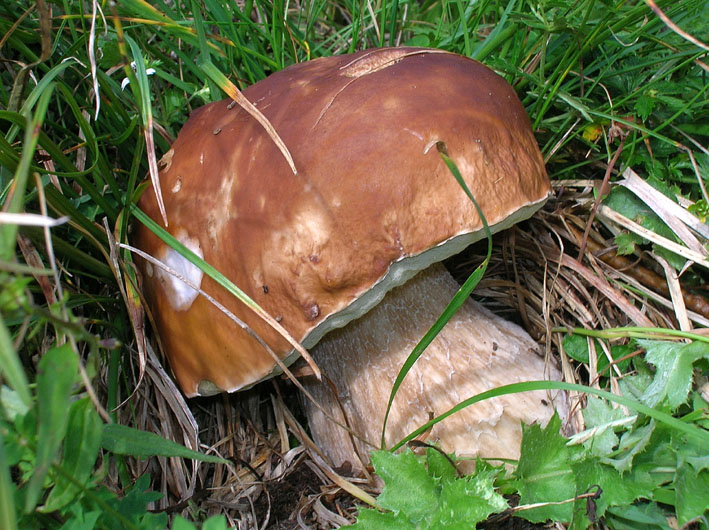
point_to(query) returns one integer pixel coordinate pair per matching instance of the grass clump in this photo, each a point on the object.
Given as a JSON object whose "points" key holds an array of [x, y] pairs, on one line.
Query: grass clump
{"points": [[90, 93]]}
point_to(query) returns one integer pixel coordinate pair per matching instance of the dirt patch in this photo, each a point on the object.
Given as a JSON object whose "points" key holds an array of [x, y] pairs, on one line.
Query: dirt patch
{"points": [[286, 496]]}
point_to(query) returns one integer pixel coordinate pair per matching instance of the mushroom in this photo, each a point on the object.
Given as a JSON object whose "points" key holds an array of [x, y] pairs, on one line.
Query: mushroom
{"points": [[371, 205]]}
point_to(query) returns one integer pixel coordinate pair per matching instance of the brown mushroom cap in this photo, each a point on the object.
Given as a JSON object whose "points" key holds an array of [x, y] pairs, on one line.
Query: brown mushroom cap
{"points": [[371, 205]]}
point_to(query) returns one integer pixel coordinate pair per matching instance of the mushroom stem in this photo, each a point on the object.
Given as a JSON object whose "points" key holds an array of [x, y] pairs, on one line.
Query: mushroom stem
{"points": [[476, 351]]}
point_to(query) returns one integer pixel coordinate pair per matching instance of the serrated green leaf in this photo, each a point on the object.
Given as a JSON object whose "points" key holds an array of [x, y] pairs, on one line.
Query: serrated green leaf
{"points": [[439, 466], [544, 473], [616, 489], [81, 447], [644, 106], [691, 494], [55, 376], [673, 378], [637, 517], [373, 520], [600, 414], [408, 486], [124, 440], [631, 443], [467, 501], [134, 507]]}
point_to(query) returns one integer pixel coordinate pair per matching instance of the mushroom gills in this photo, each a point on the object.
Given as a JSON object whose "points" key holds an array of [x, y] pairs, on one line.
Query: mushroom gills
{"points": [[476, 351]]}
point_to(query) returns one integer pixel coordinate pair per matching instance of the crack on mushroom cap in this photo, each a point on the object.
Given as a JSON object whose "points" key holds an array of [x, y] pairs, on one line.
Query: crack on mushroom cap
{"points": [[373, 62]]}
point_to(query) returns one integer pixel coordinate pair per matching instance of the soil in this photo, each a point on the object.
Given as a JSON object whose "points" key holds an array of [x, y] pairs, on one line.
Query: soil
{"points": [[287, 495]]}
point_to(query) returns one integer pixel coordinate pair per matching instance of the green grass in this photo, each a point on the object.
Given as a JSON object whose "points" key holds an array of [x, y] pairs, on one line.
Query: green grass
{"points": [[76, 145]]}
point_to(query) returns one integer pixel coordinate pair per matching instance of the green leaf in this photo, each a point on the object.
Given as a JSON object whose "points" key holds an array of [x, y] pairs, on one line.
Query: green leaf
{"points": [[600, 415], [626, 243], [631, 443], [615, 489], [133, 507], [56, 373], [468, 501], [217, 522], [180, 523], [439, 466], [628, 204], [124, 440], [81, 448], [11, 404], [408, 486], [576, 347], [637, 517], [673, 378], [691, 494], [7, 493], [80, 519], [544, 473], [644, 106], [11, 368], [368, 519]]}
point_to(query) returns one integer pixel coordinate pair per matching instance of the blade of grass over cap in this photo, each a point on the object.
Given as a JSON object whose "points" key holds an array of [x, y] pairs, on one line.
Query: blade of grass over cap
{"points": [[223, 281], [235, 94], [141, 92], [458, 300]]}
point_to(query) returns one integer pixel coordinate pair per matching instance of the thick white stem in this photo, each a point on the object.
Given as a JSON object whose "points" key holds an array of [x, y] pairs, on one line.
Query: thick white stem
{"points": [[475, 352]]}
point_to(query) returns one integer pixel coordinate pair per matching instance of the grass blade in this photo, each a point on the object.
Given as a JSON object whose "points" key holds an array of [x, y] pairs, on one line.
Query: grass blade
{"points": [[11, 368], [56, 373], [81, 448], [225, 282], [699, 435], [8, 232], [124, 440], [234, 93], [458, 300], [7, 493]]}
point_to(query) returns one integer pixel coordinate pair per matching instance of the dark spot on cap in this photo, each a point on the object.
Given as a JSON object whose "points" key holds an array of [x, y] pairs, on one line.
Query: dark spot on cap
{"points": [[312, 311], [265, 289]]}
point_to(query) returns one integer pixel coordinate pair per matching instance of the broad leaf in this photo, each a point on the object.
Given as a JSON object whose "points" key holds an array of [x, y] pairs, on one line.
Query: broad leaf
{"points": [[673, 378], [408, 486], [468, 501], [544, 473], [691, 494]]}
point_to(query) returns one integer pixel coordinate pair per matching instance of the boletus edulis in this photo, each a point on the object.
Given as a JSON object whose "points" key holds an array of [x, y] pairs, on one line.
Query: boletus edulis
{"points": [[372, 209]]}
